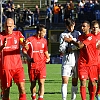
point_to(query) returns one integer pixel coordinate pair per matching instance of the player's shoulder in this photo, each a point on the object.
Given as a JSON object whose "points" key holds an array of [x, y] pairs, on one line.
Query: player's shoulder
{"points": [[77, 32], [31, 38], [44, 39], [64, 33], [17, 33]]}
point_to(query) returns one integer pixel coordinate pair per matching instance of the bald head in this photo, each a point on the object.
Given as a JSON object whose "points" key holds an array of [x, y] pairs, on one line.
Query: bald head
{"points": [[9, 25]]}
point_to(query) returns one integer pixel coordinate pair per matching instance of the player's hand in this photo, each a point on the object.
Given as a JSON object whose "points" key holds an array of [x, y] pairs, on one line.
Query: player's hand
{"points": [[4, 42], [67, 39], [98, 45], [47, 60]]}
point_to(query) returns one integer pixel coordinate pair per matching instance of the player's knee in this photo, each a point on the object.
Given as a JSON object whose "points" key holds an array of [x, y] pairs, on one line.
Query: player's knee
{"points": [[83, 82], [21, 87]]}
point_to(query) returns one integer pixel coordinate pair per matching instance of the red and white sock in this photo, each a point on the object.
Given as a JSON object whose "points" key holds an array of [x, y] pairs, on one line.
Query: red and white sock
{"points": [[40, 98], [34, 96]]}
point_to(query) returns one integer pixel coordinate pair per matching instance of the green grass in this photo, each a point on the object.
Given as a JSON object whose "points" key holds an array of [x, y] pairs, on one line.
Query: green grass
{"points": [[52, 85]]}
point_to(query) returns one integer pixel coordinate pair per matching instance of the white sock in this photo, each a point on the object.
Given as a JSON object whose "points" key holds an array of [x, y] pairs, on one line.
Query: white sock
{"points": [[64, 91], [40, 96], [74, 92]]}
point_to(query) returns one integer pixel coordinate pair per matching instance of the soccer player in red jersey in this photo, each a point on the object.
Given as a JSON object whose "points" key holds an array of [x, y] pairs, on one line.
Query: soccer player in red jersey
{"points": [[95, 27], [10, 60], [36, 48], [87, 62]]}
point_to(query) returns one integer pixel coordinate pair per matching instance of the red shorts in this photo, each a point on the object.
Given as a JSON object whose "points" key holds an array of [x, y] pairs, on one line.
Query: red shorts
{"points": [[16, 74], [35, 74], [98, 69], [90, 73]]}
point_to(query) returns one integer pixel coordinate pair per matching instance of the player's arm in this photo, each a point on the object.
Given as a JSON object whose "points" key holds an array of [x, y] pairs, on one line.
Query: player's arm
{"points": [[47, 56], [4, 44], [78, 44], [25, 50], [62, 45]]}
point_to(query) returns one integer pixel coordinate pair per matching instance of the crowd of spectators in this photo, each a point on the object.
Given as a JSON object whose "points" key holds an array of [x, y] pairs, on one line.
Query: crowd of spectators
{"points": [[19, 14], [88, 10], [55, 13]]}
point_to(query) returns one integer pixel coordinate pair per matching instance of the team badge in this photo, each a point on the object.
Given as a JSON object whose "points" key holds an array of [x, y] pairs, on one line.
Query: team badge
{"points": [[42, 45], [89, 38], [15, 41]]}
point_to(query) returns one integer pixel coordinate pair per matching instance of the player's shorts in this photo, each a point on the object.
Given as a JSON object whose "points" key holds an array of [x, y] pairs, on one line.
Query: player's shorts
{"points": [[35, 74], [90, 73], [16, 74], [98, 69], [69, 71]]}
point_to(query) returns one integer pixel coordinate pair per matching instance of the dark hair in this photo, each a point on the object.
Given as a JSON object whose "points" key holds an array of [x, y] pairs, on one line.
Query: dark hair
{"points": [[70, 22], [86, 22], [40, 27]]}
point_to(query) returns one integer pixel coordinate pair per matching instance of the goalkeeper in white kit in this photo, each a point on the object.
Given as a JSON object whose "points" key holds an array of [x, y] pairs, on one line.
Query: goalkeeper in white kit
{"points": [[70, 57]]}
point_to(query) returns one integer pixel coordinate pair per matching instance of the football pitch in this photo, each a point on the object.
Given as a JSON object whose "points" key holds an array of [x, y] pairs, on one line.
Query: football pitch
{"points": [[52, 85]]}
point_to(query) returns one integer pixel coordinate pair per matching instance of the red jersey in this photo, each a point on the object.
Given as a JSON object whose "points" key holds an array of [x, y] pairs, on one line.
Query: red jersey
{"points": [[98, 38], [37, 47], [88, 54], [10, 55]]}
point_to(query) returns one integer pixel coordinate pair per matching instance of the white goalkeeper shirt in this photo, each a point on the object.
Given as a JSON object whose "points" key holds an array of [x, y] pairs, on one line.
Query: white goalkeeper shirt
{"points": [[69, 58]]}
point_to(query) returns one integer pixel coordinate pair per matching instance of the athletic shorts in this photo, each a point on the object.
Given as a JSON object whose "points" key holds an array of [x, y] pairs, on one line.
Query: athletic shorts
{"points": [[35, 74], [99, 69], [16, 74], [90, 73], [69, 71]]}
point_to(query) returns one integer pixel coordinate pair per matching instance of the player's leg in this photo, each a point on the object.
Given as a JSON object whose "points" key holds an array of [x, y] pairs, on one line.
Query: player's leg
{"points": [[19, 79], [74, 83], [98, 89], [74, 88], [41, 89], [93, 76], [6, 94], [41, 81], [22, 92], [98, 85], [6, 82], [66, 72], [83, 75], [33, 89], [32, 76], [83, 89], [64, 87]]}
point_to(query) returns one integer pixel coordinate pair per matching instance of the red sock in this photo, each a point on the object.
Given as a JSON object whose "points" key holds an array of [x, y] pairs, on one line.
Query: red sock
{"points": [[83, 92], [33, 97], [40, 98], [22, 97], [92, 92]]}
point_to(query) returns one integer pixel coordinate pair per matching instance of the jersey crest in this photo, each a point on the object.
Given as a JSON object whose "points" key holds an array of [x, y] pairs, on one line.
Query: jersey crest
{"points": [[15, 41], [89, 38], [42, 45]]}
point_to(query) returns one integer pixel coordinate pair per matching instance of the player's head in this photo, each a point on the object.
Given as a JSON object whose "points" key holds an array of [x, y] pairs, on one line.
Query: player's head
{"points": [[86, 27], [95, 27], [41, 30], [9, 25], [70, 24]]}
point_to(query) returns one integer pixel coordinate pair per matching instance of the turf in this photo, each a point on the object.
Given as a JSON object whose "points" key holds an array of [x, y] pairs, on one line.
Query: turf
{"points": [[52, 85]]}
